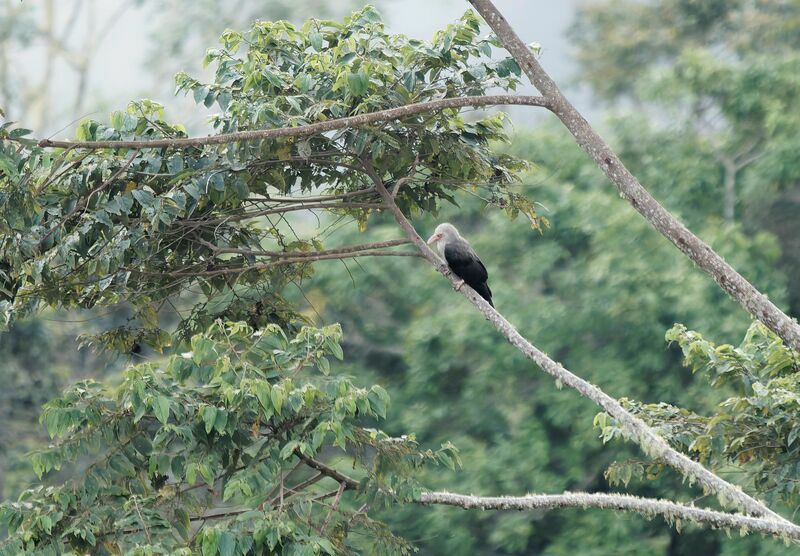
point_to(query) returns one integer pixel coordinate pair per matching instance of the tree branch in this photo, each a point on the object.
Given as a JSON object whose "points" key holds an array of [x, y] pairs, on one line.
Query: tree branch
{"points": [[341, 478], [651, 443], [310, 129], [333, 506], [340, 250], [756, 303], [671, 511], [266, 212], [281, 262]]}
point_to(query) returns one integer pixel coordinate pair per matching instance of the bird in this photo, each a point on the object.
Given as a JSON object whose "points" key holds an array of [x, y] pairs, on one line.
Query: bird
{"points": [[462, 259]]}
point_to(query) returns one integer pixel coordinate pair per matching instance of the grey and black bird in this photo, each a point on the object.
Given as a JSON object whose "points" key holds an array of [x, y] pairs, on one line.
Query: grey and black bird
{"points": [[462, 259]]}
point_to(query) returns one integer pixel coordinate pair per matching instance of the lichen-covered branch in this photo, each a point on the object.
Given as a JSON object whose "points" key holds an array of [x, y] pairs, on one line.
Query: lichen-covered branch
{"points": [[650, 442], [310, 129], [671, 511], [755, 302]]}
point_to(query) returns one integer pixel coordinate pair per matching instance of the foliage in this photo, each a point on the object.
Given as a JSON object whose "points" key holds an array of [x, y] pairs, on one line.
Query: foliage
{"points": [[249, 411], [217, 427], [596, 291], [220, 426], [755, 431], [30, 378], [86, 229], [185, 27]]}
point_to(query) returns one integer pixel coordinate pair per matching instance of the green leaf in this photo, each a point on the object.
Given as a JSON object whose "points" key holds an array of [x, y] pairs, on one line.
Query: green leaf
{"points": [[207, 474], [122, 465], [200, 94], [210, 544], [277, 396], [143, 197], [379, 400], [262, 391], [220, 421], [410, 80], [316, 40], [203, 349], [19, 132], [288, 449], [335, 349], [182, 523], [161, 406], [358, 83], [209, 417], [227, 544], [142, 444]]}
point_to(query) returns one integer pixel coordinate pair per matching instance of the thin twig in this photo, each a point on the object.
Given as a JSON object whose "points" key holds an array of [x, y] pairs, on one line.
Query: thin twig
{"points": [[335, 505], [281, 262], [142, 521], [284, 254]]}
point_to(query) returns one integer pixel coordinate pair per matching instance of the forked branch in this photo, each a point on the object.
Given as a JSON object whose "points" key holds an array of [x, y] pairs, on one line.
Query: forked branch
{"points": [[650, 442], [673, 512]]}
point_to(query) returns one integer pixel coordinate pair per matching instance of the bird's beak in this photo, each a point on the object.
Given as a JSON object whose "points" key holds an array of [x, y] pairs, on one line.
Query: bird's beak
{"points": [[434, 238]]}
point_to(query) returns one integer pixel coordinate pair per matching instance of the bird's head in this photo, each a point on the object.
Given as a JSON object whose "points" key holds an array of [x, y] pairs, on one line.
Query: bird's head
{"points": [[444, 232]]}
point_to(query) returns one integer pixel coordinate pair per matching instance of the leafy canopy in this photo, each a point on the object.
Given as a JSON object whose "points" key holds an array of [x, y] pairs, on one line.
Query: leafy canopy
{"points": [[217, 427], [94, 228], [218, 448]]}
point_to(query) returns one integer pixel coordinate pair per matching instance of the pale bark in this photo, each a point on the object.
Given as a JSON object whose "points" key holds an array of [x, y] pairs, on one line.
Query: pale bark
{"points": [[629, 188], [649, 441], [673, 512]]}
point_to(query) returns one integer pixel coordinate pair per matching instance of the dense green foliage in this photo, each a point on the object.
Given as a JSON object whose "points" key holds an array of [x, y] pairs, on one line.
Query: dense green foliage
{"points": [[756, 430], [89, 228], [215, 427], [145, 227]]}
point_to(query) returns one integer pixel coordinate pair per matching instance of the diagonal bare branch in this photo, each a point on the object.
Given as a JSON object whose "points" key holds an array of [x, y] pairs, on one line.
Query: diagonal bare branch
{"points": [[649, 441], [755, 302]]}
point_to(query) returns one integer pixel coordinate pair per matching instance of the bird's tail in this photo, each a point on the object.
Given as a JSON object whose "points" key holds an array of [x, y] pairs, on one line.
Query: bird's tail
{"points": [[484, 291]]}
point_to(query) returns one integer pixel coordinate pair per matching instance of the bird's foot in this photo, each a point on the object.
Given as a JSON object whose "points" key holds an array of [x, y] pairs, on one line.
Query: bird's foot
{"points": [[459, 285]]}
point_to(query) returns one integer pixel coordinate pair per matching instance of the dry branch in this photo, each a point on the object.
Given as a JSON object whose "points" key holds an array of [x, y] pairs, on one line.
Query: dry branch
{"points": [[755, 302], [283, 254], [672, 511], [306, 258], [651, 443]]}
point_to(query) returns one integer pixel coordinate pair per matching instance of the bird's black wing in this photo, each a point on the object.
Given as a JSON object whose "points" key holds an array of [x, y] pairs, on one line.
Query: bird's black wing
{"points": [[463, 261]]}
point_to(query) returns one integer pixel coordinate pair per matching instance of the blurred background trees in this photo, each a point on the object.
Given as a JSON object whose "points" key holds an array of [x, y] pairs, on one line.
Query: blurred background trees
{"points": [[701, 104]]}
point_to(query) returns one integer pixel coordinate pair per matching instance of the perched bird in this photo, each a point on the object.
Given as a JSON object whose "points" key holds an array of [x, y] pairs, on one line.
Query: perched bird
{"points": [[462, 260]]}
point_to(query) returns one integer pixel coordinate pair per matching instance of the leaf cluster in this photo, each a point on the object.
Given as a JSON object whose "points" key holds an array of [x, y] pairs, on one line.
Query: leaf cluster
{"points": [[205, 453], [86, 228], [755, 431]]}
